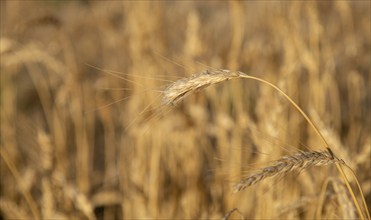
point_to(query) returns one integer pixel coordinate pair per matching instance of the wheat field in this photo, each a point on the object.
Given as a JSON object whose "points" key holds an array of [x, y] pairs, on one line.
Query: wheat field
{"points": [[104, 114]]}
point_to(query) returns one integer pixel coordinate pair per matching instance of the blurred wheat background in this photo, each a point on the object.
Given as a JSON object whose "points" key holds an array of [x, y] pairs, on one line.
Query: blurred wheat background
{"points": [[81, 142]]}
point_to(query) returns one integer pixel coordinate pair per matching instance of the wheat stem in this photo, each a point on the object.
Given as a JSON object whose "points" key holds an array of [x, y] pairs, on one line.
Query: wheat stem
{"points": [[181, 88]]}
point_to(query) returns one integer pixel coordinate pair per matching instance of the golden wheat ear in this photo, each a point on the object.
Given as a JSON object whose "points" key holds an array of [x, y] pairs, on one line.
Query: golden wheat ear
{"points": [[288, 164], [178, 90]]}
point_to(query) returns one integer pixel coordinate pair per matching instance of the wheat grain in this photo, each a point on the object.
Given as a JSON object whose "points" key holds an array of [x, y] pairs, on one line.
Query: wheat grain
{"points": [[288, 164]]}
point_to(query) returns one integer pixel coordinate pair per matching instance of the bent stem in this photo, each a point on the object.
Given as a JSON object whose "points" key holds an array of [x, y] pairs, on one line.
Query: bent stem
{"points": [[183, 87], [338, 166]]}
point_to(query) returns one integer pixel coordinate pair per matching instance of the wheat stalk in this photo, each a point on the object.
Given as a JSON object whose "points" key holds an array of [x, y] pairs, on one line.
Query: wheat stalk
{"points": [[288, 164], [178, 90]]}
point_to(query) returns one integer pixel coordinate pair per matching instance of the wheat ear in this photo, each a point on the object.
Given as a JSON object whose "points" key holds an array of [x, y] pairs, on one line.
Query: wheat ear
{"points": [[288, 164], [178, 90]]}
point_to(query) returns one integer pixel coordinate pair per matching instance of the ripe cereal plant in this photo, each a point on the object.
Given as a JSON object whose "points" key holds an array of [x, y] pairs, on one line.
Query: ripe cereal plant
{"points": [[181, 88], [87, 134]]}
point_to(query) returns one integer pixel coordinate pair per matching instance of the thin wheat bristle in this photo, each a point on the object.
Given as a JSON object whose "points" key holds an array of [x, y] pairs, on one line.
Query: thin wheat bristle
{"points": [[183, 87], [287, 164]]}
